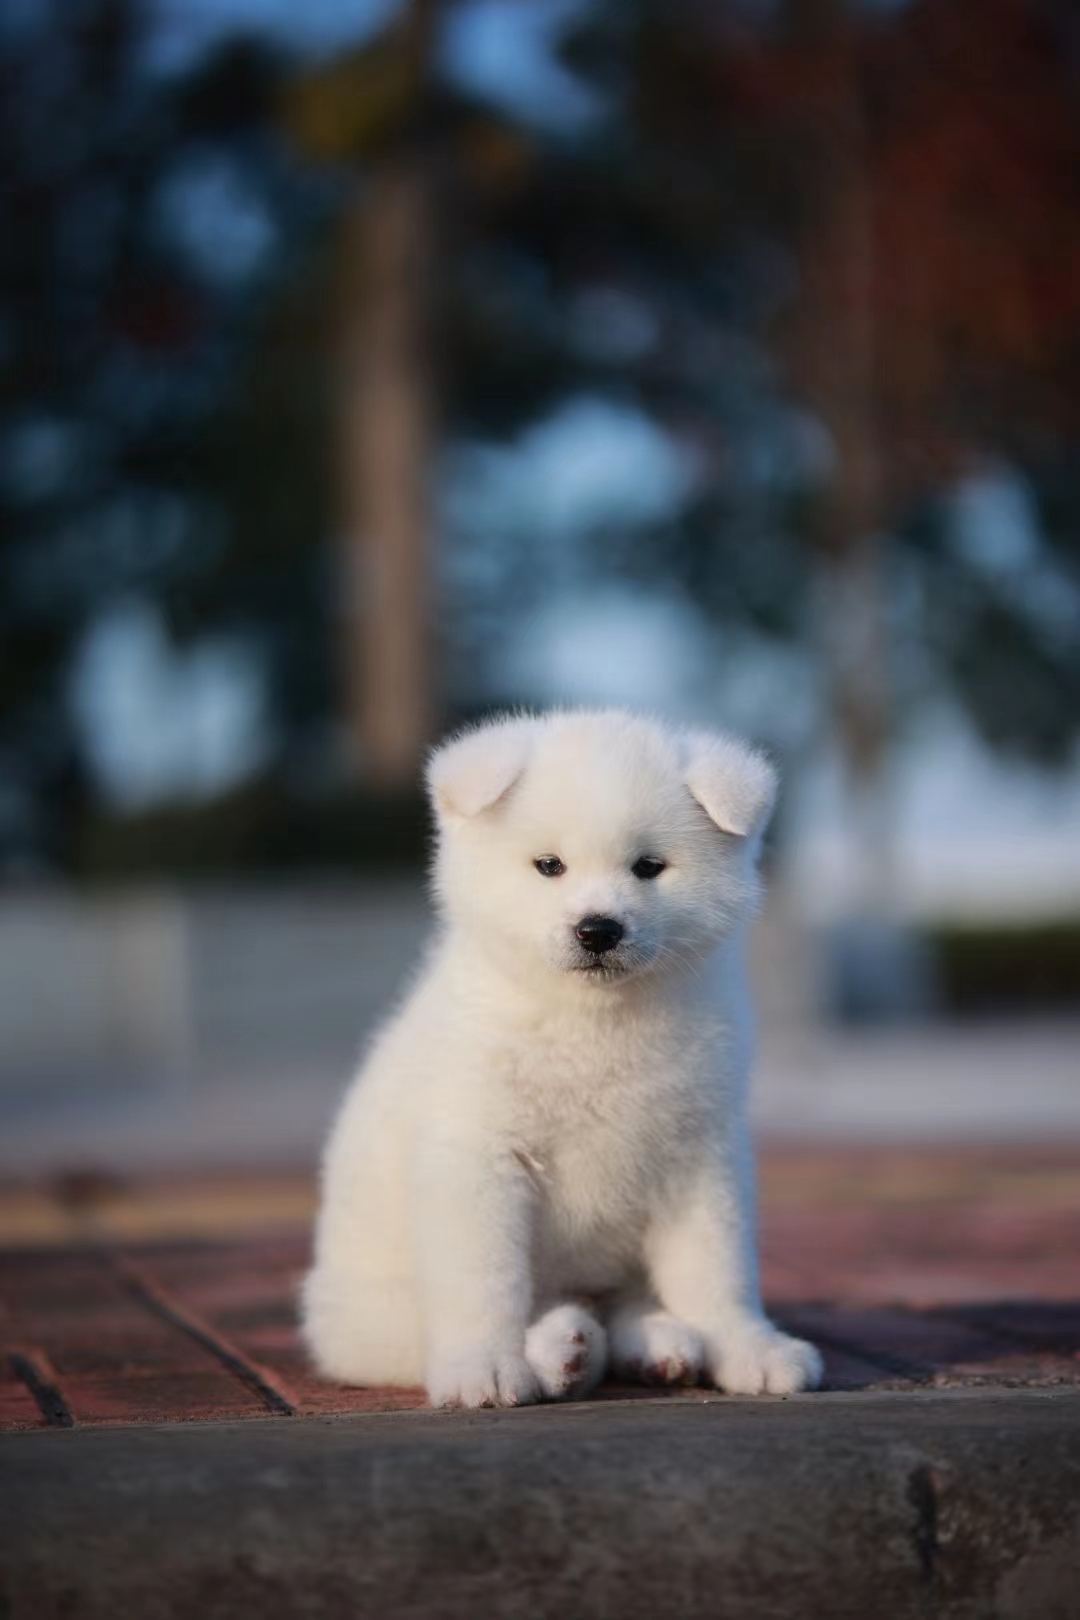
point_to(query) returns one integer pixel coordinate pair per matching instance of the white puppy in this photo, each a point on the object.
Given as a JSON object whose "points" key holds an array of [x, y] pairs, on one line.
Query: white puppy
{"points": [[542, 1171]]}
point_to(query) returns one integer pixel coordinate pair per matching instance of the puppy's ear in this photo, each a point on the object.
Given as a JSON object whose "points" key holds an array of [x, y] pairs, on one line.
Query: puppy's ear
{"points": [[472, 772], [733, 783]]}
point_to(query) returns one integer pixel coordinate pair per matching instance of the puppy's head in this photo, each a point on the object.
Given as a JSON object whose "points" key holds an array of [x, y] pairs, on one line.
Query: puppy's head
{"points": [[598, 844]]}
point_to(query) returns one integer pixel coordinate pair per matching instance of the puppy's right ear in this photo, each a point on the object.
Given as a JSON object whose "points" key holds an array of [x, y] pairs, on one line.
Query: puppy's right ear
{"points": [[472, 772]]}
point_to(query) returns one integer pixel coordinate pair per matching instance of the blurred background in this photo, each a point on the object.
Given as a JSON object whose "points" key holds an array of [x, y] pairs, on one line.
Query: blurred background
{"points": [[366, 365]]}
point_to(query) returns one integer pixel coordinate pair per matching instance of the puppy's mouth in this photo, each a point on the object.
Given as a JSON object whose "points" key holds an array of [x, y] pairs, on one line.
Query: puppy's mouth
{"points": [[609, 966]]}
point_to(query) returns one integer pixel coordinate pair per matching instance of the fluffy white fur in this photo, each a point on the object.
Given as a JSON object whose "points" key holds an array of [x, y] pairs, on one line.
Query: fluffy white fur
{"points": [[542, 1170]]}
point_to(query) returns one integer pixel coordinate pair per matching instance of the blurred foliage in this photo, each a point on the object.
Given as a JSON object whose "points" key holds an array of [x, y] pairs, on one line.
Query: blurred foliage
{"points": [[750, 186], [980, 969], [184, 417], [258, 829], [180, 416]]}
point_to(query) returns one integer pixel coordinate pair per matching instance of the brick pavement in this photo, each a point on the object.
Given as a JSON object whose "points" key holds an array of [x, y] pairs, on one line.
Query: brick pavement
{"points": [[173, 1301]]}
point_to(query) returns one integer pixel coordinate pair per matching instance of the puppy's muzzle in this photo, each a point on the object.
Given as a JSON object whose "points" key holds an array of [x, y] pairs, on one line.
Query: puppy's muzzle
{"points": [[599, 934]]}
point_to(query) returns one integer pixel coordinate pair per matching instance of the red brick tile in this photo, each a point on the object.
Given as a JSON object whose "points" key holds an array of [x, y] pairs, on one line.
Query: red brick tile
{"points": [[932, 1267], [18, 1408], [115, 1361]]}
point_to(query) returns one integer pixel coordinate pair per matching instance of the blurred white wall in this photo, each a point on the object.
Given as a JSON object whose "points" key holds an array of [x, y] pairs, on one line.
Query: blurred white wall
{"points": [[145, 988]]}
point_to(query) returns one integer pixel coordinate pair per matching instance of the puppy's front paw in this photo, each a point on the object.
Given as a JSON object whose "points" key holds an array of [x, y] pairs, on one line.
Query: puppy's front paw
{"points": [[567, 1350], [764, 1361], [482, 1378]]}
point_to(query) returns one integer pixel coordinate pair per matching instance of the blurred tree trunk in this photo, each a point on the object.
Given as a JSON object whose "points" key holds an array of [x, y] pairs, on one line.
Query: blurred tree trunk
{"points": [[386, 446], [837, 347], [387, 433]]}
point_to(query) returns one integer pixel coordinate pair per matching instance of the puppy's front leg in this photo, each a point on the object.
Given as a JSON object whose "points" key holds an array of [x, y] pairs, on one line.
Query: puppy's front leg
{"points": [[473, 1206], [703, 1264]]}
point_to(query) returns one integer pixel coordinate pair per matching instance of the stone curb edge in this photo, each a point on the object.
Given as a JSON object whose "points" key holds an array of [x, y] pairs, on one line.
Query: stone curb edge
{"points": [[962, 1503]]}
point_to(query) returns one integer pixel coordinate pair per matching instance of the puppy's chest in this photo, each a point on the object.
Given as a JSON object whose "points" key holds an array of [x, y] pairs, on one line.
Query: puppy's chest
{"points": [[602, 1124]]}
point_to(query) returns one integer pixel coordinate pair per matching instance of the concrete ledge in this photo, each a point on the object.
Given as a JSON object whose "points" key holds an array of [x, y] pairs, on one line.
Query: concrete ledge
{"points": [[962, 1504]]}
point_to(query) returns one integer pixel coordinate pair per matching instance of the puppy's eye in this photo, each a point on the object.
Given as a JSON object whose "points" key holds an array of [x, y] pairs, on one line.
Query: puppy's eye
{"points": [[549, 866], [648, 866]]}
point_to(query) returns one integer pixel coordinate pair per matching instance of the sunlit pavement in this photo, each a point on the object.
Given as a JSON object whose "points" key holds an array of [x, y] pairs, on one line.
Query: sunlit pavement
{"points": [[173, 1298]]}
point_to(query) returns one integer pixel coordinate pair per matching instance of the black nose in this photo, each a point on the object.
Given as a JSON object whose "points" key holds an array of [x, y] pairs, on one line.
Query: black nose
{"points": [[599, 934]]}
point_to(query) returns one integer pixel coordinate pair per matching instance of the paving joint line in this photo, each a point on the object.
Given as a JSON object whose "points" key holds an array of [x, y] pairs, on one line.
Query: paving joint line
{"points": [[37, 1372], [273, 1392]]}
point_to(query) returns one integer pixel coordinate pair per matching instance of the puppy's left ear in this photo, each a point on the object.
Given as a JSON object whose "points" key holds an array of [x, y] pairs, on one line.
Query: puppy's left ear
{"points": [[733, 783], [473, 771]]}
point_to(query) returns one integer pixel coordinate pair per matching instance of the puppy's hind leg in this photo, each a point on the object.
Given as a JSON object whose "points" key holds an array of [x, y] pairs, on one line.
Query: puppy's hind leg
{"points": [[361, 1331], [650, 1346], [566, 1348]]}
